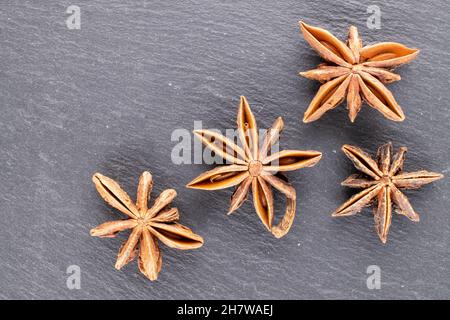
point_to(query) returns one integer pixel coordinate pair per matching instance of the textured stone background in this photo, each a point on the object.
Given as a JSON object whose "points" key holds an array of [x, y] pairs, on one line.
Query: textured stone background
{"points": [[107, 98]]}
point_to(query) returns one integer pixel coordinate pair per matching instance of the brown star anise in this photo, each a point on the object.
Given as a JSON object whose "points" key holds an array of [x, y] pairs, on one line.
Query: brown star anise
{"points": [[148, 225], [355, 72], [382, 180], [255, 167]]}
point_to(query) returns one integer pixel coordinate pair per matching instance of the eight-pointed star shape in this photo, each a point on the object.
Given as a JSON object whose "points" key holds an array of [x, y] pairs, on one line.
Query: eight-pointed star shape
{"points": [[147, 225], [382, 181], [254, 167], [354, 72]]}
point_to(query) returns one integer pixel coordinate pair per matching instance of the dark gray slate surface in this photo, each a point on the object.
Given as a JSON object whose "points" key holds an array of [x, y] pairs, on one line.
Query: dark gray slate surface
{"points": [[107, 98]]}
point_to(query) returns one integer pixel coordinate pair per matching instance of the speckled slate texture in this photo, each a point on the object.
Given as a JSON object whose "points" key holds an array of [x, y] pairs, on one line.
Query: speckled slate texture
{"points": [[108, 97]]}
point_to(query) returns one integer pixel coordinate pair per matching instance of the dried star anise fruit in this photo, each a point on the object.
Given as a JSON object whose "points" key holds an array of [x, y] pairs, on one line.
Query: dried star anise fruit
{"points": [[146, 224], [254, 167], [354, 72], [382, 181]]}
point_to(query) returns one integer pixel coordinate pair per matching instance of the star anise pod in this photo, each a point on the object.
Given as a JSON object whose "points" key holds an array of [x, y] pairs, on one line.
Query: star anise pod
{"points": [[354, 72], [382, 181], [147, 225], [254, 167]]}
